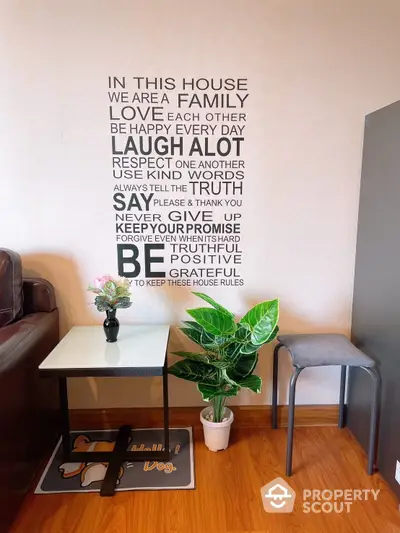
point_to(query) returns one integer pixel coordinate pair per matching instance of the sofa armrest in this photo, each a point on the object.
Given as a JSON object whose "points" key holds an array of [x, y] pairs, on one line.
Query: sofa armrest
{"points": [[39, 296]]}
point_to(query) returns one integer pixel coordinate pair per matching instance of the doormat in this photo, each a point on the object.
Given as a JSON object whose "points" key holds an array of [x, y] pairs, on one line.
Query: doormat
{"points": [[147, 475]]}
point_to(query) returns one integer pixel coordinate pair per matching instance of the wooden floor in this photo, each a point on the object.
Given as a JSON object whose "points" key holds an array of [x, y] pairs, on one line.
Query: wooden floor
{"points": [[227, 498]]}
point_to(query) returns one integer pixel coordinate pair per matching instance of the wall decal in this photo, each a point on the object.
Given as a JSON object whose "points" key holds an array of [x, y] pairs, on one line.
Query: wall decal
{"points": [[178, 169]]}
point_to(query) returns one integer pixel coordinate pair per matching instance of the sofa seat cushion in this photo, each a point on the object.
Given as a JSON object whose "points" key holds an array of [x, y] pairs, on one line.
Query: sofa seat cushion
{"points": [[11, 299], [14, 334], [19, 338]]}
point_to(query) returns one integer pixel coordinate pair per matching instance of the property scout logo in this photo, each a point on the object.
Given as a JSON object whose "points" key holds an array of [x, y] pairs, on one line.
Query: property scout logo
{"points": [[279, 497]]}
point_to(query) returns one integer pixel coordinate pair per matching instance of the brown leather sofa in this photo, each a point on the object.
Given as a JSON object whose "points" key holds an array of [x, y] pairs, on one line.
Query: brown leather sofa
{"points": [[29, 330]]}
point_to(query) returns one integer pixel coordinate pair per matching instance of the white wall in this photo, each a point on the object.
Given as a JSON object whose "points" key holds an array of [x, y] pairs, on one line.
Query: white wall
{"points": [[315, 68]]}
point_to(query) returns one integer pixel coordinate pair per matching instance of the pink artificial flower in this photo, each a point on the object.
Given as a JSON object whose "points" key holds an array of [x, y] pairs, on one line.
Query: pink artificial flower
{"points": [[100, 282]]}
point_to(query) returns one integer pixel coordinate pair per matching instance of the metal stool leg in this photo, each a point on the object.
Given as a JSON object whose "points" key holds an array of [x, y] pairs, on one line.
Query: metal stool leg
{"points": [[275, 387], [342, 405], [373, 428], [292, 393]]}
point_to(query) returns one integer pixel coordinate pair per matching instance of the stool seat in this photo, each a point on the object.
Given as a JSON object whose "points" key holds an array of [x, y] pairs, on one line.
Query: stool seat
{"points": [[323, 349]]}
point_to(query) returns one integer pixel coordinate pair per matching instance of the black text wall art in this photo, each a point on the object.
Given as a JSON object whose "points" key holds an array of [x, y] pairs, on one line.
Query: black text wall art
{"points": [[178, 168]]}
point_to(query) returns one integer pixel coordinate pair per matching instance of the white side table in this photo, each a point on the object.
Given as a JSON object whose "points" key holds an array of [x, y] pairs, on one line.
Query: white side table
{"points": [[140, 351]]}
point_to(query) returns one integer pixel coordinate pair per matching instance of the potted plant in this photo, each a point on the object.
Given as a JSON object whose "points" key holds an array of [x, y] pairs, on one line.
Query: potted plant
{"points": [[111, 294], [228, 358]]}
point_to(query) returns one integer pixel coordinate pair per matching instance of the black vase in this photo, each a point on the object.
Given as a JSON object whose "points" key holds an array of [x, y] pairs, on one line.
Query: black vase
{"points": [[111, 326]]}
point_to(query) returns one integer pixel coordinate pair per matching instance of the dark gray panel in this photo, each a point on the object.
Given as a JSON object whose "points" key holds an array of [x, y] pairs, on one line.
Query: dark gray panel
{"points": [[376, 307]]}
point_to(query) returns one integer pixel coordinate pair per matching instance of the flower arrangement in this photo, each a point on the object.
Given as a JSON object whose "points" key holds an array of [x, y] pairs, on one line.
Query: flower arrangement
{"points": [[111, 293]]}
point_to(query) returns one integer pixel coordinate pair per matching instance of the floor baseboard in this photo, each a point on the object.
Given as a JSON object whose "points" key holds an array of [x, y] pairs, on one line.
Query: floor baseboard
{"points": [[245, 416]]}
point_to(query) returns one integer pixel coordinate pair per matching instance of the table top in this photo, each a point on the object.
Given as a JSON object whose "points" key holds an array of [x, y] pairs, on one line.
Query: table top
{"points": [[84, 351]]}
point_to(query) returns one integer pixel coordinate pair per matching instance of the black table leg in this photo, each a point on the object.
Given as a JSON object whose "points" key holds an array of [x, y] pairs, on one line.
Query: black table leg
{"points": [[120, 453], [63, 393], [116, 460], [166, 411]]}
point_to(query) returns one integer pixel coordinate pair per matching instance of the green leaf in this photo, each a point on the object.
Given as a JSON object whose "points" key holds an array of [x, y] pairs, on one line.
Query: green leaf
{"points": [[262, 320], [209, 392], [243, 333], [91, 288], [123, 303], [273, 334], [101, 303], [245, 365], [249, 348], [218, 363], [232, 352], [195, 371], [212, 302], [110, 287], [192, 334], [213, 321], [253, 383], [212, 343], [206, 340], [193, 324], [202, 357], [226, 378]]}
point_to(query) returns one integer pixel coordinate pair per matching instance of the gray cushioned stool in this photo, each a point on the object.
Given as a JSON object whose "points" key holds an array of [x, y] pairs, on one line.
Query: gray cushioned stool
{"points": [[325, 350]]}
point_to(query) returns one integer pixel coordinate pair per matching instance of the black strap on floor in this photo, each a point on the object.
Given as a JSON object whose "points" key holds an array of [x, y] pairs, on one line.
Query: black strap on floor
{"points": [[116, 460]]}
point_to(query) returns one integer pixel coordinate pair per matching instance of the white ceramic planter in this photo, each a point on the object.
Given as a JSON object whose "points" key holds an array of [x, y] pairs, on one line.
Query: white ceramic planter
{"points": [[216, 434]]}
